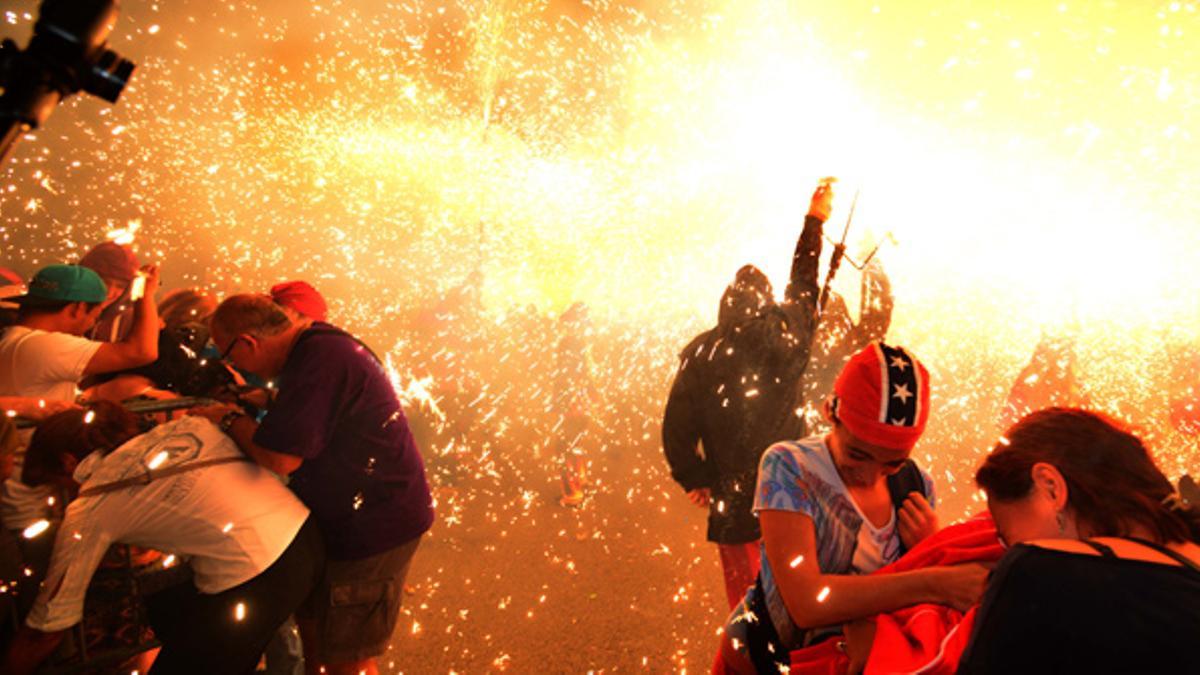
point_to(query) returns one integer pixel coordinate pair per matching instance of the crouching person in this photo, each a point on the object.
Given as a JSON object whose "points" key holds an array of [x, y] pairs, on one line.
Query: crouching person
{"points": [[836, 508], [1103, 573], [184, 489], [336, 429]]}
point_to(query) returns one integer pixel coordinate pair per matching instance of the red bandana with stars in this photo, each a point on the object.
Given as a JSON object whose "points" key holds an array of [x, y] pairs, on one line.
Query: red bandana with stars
{"points": [[882, 396]]}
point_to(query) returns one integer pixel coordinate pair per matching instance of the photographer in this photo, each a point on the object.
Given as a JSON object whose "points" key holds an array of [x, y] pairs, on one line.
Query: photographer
{"points": [[44, 356], [337, 430], [183, 488], [184, 365]]}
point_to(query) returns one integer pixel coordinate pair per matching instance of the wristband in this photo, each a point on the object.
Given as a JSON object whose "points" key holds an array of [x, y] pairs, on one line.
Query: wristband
{"points": [[228, 420]]}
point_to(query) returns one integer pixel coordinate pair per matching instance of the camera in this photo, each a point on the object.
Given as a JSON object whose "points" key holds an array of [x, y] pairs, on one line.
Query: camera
{"points": [[68, 53]]}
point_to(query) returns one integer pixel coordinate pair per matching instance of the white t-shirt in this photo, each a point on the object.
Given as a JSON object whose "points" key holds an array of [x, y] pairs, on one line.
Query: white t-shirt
{"points": [[44, 365], [41, 364], [874, 548], [233, 520]]}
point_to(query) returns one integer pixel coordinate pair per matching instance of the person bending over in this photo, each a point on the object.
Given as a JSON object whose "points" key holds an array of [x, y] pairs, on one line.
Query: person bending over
{"points": [[337, 430], [184, 489], [837, 507], [44, 356], [1103, 574]]}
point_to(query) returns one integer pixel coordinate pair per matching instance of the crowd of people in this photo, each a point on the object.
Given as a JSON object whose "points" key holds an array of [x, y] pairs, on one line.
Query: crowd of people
{"points": [[187, 471], [278, 481], [1087, 560]]}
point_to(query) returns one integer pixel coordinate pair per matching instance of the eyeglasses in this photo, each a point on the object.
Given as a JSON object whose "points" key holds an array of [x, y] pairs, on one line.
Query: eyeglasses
{"points": [[224, 358]]}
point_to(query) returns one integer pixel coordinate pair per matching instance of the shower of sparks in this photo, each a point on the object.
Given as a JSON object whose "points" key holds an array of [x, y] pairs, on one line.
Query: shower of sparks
{"points": [[36, 529], [452, 176], [125, 235]]}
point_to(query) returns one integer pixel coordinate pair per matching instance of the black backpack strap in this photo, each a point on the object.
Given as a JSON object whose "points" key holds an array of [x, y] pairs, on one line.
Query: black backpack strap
{"points": [[902, 483], [905, 481]]}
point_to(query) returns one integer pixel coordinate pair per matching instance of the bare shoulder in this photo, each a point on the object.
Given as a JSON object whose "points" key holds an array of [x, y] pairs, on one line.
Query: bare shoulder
{"points": [[1122, 548], [1065, 545]]}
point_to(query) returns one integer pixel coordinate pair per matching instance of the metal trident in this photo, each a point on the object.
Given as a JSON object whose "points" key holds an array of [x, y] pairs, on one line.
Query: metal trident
{"points": [[839, 252]]}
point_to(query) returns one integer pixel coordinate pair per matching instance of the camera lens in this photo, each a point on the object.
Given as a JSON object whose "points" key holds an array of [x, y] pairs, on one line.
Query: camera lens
{"points": [[108, 76]]}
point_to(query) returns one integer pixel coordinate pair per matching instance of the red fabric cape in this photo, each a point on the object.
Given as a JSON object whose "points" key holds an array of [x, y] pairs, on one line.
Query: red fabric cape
{"points": [[923, 638]]}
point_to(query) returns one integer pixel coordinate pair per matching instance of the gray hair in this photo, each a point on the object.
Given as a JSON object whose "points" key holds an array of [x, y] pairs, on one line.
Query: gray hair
{"points": [[256, 315]]}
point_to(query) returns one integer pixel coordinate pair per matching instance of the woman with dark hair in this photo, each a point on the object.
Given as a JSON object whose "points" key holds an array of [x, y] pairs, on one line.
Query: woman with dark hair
{"points": [[1104, 571]]}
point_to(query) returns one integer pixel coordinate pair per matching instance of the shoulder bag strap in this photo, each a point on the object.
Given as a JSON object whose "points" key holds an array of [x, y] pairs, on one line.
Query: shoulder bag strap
{"points": [[1178, 557], [1103, 549], [149, 476]]}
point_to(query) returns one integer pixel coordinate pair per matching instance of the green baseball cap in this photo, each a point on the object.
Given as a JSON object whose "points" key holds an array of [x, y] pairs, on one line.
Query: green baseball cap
{"points": [[60, 284]]}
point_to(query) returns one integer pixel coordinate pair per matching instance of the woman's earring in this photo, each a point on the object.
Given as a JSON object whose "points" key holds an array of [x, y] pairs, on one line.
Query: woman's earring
{"points": [[1062, 523]]}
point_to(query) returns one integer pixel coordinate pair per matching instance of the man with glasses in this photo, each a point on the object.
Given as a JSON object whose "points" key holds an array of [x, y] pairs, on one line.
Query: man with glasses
{"points": [[337, 430]]}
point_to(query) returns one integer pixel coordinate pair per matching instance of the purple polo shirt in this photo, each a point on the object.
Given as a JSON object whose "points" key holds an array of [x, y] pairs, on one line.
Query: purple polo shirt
{"points": [[362, 476]]}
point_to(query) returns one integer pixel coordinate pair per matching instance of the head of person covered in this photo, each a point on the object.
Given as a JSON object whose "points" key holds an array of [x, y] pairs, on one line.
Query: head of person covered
{"points": [[61, 441], [301, 299], [1067, 473], [747, 297], [117, 266], [253, 333], [68, 296], [879, 408]]}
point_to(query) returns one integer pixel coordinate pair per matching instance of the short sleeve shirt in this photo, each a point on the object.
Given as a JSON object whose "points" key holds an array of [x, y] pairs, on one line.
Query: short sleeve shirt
{"points": [[800, 476], [362, 474], [44, 365], [41, 364], [232, 520]]}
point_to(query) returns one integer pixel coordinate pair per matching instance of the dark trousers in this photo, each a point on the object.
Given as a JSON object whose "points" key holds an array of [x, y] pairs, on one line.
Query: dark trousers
{"points": [[209, 633]]}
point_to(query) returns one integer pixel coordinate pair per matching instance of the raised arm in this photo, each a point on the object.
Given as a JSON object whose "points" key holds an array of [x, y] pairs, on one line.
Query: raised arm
{"points": [[804, 286], [815, 599], [141, 345]]}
